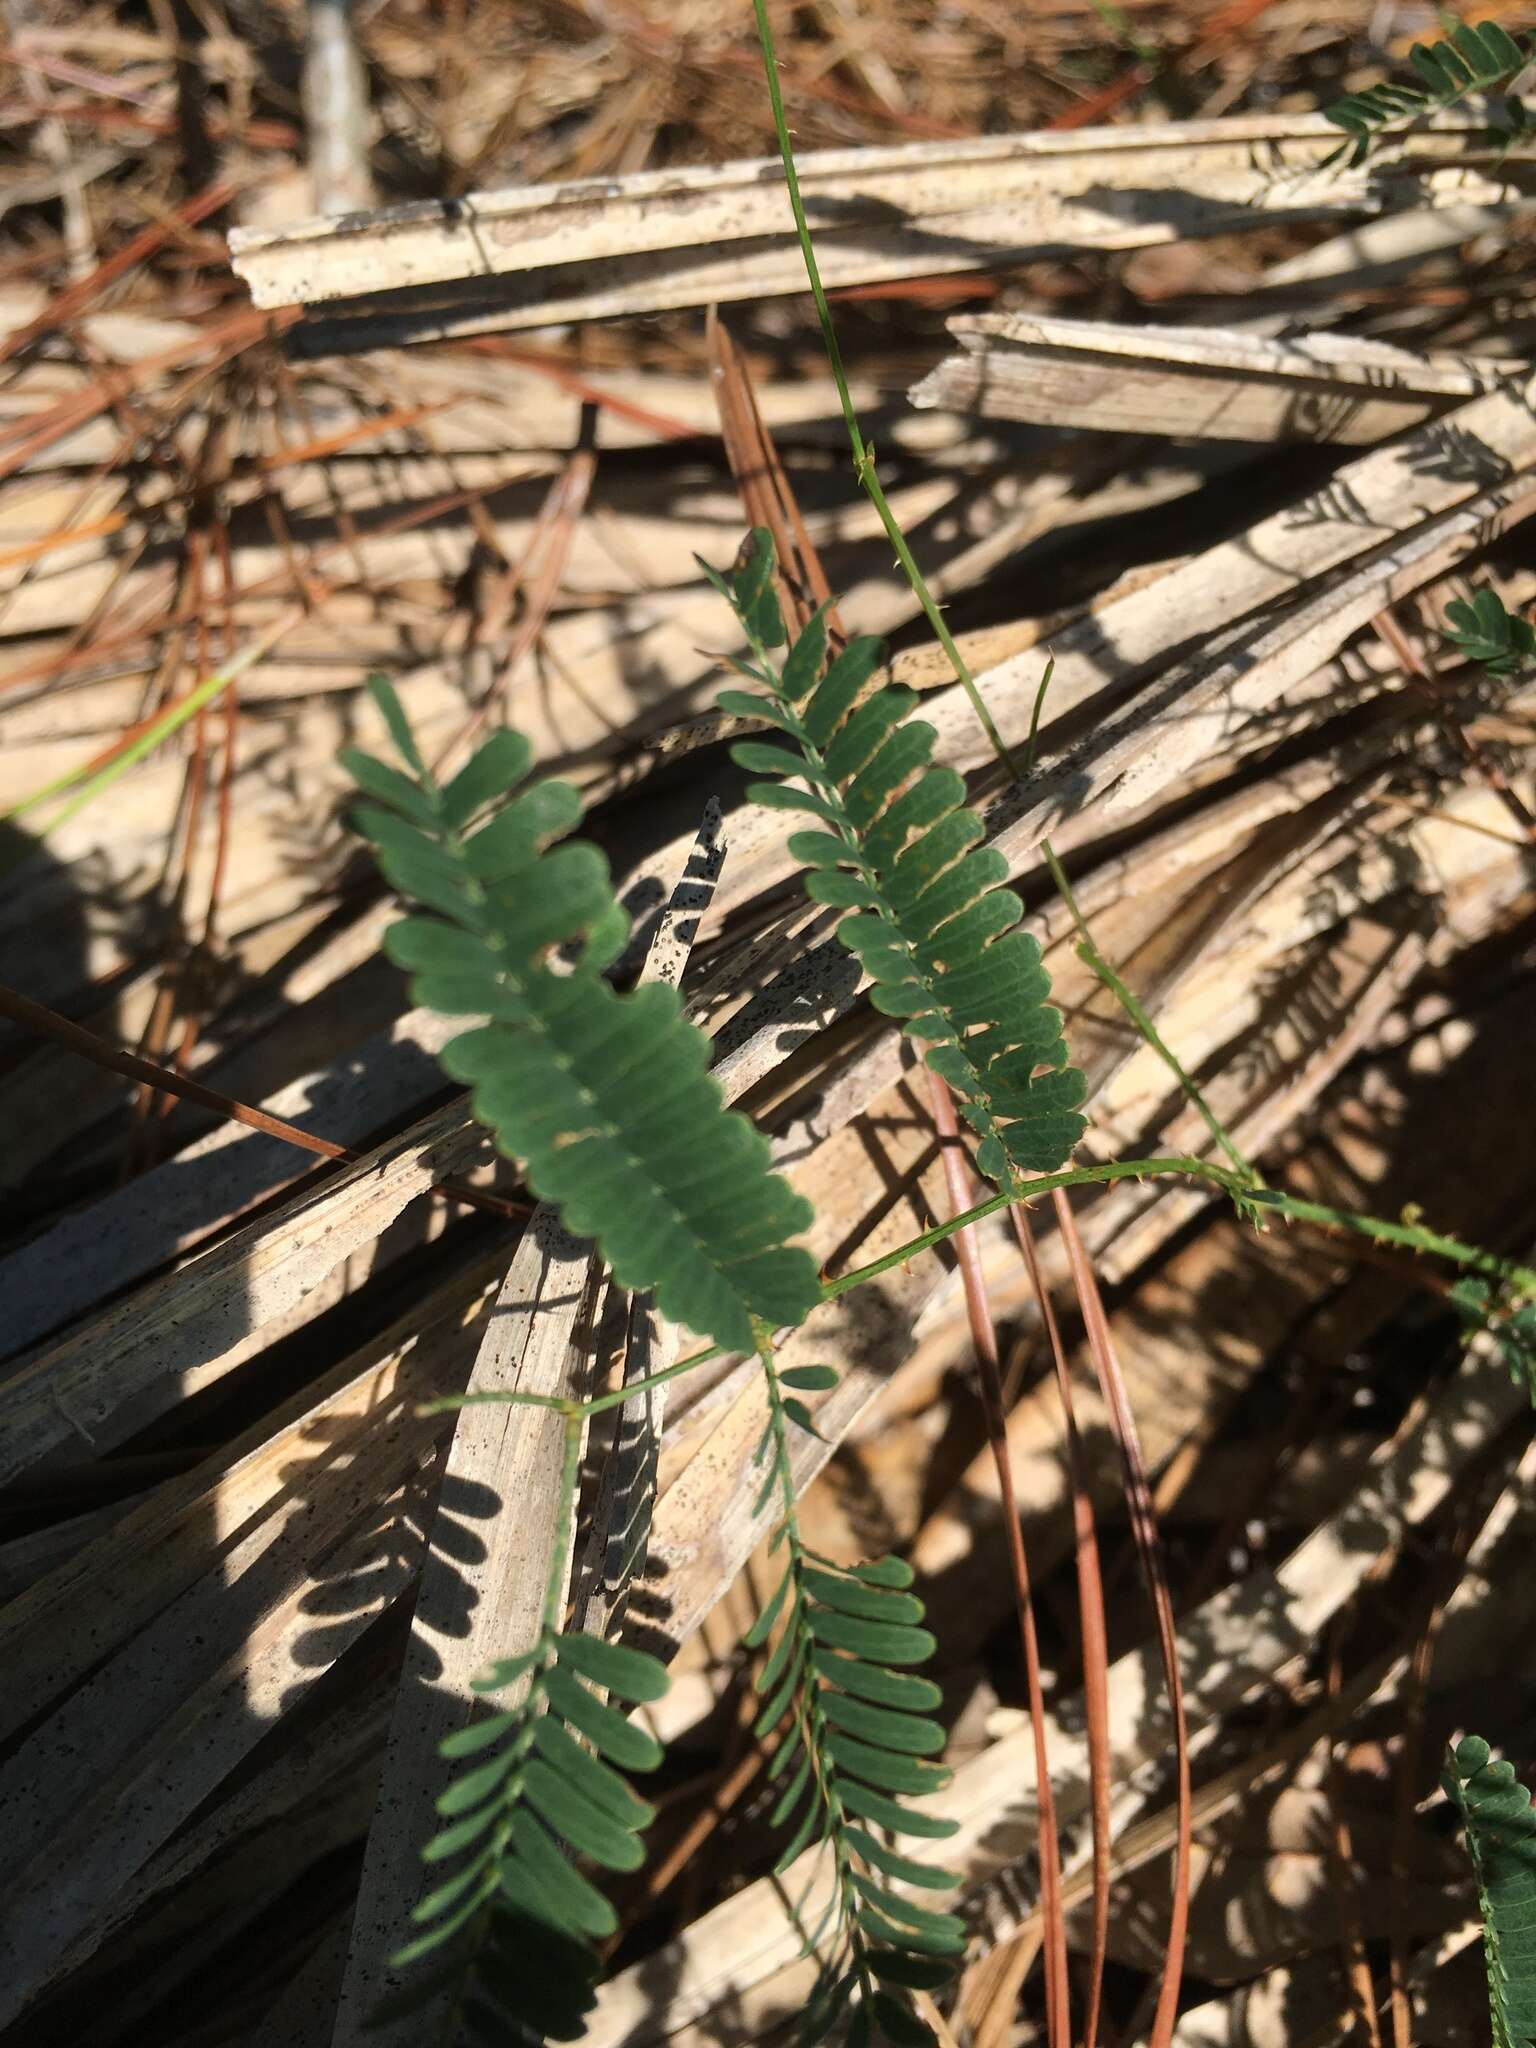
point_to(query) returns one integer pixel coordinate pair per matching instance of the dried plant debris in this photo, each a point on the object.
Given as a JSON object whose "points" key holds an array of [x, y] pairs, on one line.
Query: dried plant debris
{"points": [[341, 341]]}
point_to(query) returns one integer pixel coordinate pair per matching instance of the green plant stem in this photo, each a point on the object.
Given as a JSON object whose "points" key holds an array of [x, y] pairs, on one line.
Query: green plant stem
{"points": [[1089, 953], [441, 1404], [1411, 1237], [863, 454], [1034, 716], [1026, 1190], [153, 735], [864, 469], [560, 1549]]}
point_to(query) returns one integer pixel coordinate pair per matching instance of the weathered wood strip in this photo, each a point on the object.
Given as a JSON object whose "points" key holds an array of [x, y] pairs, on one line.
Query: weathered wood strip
{"points": [[476, 1602], [182, 1531], [527, 257], [1203, 383], [193, 1317]]}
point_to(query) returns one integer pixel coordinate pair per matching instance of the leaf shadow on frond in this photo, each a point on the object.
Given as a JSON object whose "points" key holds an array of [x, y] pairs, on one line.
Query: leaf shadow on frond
{"points": [[1452, 454]]}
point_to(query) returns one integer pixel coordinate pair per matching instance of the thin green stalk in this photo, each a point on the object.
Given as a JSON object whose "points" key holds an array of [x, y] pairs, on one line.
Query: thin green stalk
{"points": [[1089, 953], [864, 468], [560, 1550], [1069, 1177], [562, 1403], [1409, 1236], [153, 735], [1034, 716], [863, 454]]}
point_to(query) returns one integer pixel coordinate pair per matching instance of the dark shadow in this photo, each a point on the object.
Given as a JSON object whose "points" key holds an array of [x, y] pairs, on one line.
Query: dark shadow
{"points": [[222, 1563]]}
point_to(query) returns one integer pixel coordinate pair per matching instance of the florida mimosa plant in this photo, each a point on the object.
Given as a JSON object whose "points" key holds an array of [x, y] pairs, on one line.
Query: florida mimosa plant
{"points": [[605, 1100]]}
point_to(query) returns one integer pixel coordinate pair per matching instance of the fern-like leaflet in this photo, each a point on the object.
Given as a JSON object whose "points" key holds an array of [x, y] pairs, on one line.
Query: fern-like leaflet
{"points": [[1509, 1321], [1484, 58], [929, 923], [854, 1741], [1487, 632], [1500, 1827], [534, 1787], [606, 1098]]}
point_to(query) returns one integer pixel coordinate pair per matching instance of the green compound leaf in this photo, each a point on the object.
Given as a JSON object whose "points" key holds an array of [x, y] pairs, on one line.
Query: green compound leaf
{"points": [[504, 1672], [794, 1671], [451, 1840], [882, 1767], [886, 1688], [856, 1758], [857, 1596], [899, 2023], [929, 923], [589, 1775], [761, 1629], [530, 1974], [531, 1794], [789, 1798], [885, 1571], [500, 764], [902, 1868], [606, 1098], [901, 1820], [943, 1927], [802, 1418], [914, 1973], [809, 1379], [1486, 632], [877, 1642], [552, 1886], [1481, 59], [585, 1826], [1500, 1826], [905, 1732], [475, 1787], [468, 1741]]}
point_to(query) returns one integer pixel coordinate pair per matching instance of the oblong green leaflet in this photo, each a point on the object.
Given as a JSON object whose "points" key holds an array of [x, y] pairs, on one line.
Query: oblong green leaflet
{"points": [[631, 1674]]}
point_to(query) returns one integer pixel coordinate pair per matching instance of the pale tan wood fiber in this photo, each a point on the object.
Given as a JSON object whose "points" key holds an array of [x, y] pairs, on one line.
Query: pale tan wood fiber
{"points": [[475, 1602], [1196, 382], [162, 1545], [104, 1781], [597, 248], [191, 1318]]}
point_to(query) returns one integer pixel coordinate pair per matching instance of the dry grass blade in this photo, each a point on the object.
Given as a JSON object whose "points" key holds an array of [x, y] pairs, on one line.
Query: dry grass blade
{"points": [[1092, 1627], [989, 1386], [766, 497], [478, 1601], [72, 302], [1149, 1550], [1344, 1873], [203, 1316], [1217, 30]]}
